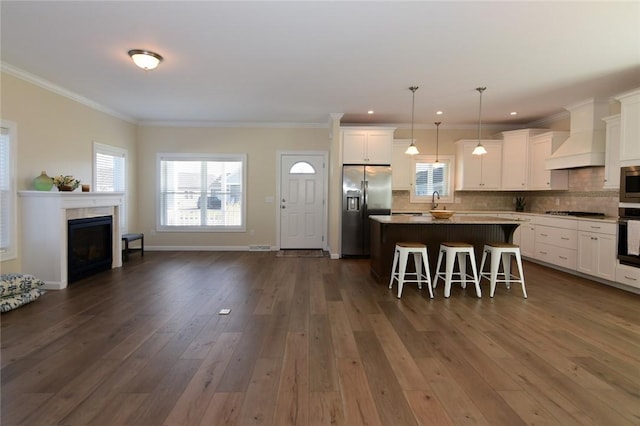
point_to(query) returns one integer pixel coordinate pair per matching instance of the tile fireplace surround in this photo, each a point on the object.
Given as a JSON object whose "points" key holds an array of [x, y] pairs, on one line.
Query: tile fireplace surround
{"points": [[44, 218]]}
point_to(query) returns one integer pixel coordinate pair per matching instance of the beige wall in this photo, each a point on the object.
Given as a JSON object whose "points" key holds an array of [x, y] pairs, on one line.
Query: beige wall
{"points": [[56, 134], [261, 146]]}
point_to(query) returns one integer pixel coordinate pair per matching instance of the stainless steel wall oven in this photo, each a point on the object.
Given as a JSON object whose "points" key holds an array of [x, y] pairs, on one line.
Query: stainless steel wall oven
{"points": [[630, 184]]}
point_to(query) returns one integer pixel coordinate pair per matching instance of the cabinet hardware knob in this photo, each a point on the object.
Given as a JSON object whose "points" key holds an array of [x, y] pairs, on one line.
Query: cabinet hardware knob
{"points": [[562, 257], [630, 278]]}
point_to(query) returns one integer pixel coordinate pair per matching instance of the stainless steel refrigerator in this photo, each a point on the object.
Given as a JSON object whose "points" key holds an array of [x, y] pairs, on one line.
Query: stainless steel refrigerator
{"points": [[366, 190]]}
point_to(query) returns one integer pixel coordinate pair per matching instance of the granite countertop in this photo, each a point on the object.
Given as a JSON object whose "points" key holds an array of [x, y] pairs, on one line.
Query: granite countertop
{"points": [[454, 220], [522, 216]]}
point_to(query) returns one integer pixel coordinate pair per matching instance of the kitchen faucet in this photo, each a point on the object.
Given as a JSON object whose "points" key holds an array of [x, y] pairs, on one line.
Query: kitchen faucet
{"points": [[433, 199]]}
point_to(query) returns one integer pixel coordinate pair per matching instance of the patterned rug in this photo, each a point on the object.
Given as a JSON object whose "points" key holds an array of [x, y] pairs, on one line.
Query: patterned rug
{"points": [[300, 253]]}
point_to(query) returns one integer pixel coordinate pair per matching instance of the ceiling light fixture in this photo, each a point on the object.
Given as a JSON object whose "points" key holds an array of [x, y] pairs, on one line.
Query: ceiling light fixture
{"points": [[479, 149], [439, 112], [145, 59], [412, 150], [370, 112], [437, 123]]}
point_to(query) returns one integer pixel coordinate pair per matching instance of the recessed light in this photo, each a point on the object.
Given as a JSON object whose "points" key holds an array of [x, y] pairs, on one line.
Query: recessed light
{"points": [[513, 113], [370, 112], [439, 113]]}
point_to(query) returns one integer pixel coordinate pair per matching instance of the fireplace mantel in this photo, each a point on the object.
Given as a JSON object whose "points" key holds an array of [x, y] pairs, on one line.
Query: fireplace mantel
{"points": [[44, 216]]}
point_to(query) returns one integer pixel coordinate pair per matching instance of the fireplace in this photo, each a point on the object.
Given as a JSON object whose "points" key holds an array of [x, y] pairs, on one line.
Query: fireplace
{"points": [[90, 248]]}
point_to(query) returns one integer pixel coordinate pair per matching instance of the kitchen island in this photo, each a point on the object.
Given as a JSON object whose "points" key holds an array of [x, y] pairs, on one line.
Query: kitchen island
{"points": [[386, 231]]}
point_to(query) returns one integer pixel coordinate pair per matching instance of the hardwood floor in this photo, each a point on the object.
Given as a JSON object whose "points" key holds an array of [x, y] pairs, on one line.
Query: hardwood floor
{"points": [[314, 341]]}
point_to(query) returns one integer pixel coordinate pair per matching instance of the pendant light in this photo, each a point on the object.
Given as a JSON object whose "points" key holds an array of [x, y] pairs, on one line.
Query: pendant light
{"points": [[479, 149], [437, 164], [412, 150]]}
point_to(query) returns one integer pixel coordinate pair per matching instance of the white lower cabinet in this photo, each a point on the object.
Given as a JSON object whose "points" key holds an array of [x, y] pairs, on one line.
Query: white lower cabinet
{"points": [[597, 249], [628, 275], [556, 242]]}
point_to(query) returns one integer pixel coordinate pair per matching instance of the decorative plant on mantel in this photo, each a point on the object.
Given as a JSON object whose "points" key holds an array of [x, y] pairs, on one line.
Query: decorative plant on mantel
{"points": [[520, 203], [66, 183]]}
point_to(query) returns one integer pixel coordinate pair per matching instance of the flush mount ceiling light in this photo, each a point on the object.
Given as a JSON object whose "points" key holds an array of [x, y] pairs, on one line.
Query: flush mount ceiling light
{"points": [[412, 150], [145, 59], [479, 149]]}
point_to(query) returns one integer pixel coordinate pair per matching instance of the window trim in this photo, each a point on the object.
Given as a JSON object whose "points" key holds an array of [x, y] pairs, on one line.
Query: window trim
{"points": [[12, 251], [164, 156], [450, 159]]}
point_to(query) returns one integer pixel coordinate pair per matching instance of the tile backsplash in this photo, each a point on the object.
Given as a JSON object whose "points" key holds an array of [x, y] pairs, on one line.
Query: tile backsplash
{"points": [[585, 193]]}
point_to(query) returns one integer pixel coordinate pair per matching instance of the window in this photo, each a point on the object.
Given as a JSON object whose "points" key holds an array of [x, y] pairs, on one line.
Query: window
{"points": [[202, 192], [302, 168], [8, 224], [110, 164], [429, 176]]}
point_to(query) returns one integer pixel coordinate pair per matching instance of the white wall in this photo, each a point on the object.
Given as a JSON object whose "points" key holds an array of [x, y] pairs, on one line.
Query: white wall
{"points": [[56, 134], [260, 145]]}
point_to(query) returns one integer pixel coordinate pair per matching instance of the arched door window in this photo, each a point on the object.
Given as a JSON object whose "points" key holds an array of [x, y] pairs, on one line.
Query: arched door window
{"points": [[302, 168]]}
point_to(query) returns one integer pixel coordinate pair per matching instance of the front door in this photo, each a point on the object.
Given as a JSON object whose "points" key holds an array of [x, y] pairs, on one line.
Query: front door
{"points": [[302, 180]]}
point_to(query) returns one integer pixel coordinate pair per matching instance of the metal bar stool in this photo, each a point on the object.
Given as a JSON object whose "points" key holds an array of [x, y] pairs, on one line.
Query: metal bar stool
{"points": [[502, 251], [420, 258], [452, 251]]}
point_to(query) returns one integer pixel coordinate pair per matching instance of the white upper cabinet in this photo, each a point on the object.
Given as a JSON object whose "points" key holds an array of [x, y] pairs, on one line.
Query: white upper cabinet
{"points": [[515, 158], [630, 128], [540, 148], [612, 153], [478, 172], [367, 145], [401, 175]]}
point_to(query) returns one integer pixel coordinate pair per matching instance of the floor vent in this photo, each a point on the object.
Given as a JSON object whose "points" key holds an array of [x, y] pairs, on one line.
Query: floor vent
{"points": [[259, 248]]}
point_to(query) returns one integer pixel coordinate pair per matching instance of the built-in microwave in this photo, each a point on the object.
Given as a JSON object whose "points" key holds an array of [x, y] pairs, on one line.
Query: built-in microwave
{"points": [[630, 184]]}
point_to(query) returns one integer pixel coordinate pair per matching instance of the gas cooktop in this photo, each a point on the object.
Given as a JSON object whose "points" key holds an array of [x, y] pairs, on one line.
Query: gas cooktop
{"points": [[572, 213]]}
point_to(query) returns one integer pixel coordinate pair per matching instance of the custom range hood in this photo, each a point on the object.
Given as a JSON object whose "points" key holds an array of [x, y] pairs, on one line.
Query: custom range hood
{"points": [[585, 145]]}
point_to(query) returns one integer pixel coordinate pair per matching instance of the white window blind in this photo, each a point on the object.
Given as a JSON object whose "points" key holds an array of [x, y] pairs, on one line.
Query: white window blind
{"points": [[430, 177], [109, 174], [202, 192], [7, 192]]}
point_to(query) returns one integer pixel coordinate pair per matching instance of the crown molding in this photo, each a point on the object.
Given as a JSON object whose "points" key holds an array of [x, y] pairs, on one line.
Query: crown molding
{"points": [[233, 124], [59, 90]]}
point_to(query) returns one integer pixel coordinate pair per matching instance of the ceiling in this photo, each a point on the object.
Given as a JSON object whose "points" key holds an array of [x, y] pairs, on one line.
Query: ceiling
{"points": [[295, 62]]}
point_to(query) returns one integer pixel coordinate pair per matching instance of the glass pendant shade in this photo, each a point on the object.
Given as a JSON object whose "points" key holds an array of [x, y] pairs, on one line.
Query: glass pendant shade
{"points": [[479, 149], [412, 149], [145, 59]]}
